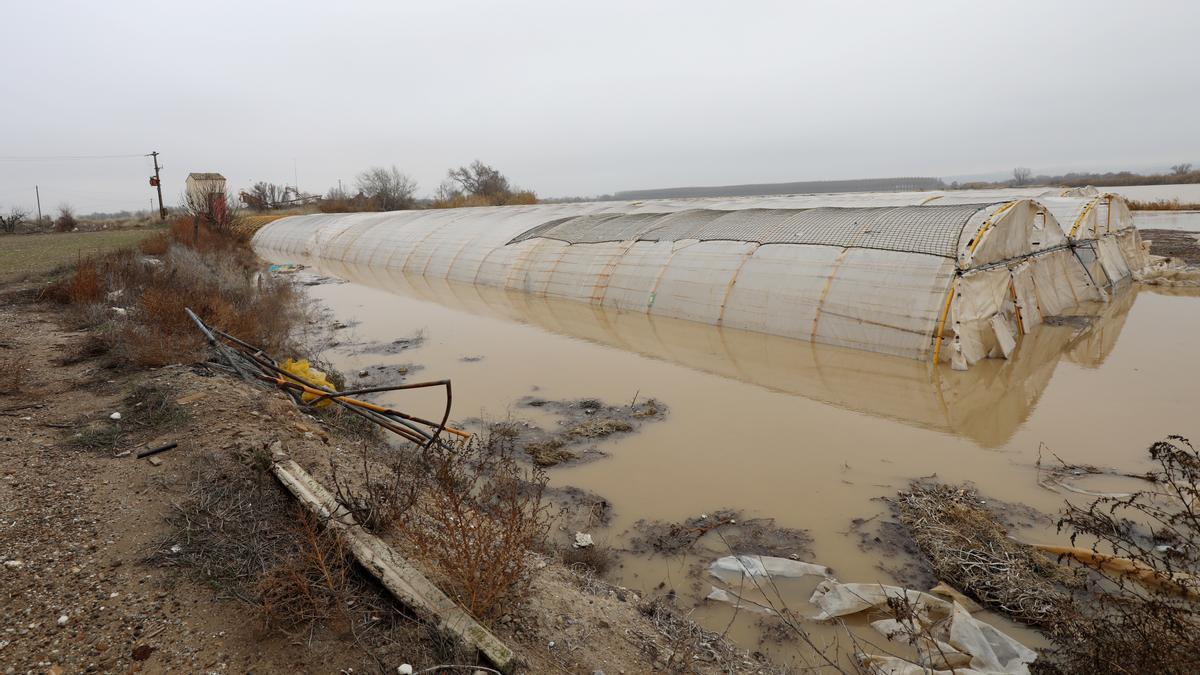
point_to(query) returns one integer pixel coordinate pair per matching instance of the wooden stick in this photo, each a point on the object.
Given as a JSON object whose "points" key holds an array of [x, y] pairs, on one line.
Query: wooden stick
{"points": [[403, 580]]}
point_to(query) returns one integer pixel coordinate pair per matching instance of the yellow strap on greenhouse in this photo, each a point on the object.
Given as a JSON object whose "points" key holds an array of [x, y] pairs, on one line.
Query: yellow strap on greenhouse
{"points": [[987, 224], [937, 345], [931, 199], [941, 330], [1083, 214]]}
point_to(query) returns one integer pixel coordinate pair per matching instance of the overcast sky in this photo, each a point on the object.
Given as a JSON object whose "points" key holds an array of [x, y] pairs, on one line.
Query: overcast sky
{"points": [[572, 98]]}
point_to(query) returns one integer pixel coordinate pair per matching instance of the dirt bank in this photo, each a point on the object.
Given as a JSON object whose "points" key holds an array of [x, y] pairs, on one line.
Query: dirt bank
{"points": [[90, 574]]}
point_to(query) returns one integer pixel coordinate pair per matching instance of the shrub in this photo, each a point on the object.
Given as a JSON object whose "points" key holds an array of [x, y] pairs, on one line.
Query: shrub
{"points": [[217, 278], [475, 519], [1143, 614]]}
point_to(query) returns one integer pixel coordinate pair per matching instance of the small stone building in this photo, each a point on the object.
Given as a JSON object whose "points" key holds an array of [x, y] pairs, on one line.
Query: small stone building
{"points": [[200, 186]]}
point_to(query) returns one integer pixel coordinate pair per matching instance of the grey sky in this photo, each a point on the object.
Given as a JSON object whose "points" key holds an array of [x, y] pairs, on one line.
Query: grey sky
{"points": [[583, 98]]}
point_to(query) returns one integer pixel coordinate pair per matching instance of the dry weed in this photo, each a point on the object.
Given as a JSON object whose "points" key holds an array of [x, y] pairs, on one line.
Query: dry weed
{"points": [[969, 550], [1141, 617], [136, 304], [313, 585], [475, 518]]}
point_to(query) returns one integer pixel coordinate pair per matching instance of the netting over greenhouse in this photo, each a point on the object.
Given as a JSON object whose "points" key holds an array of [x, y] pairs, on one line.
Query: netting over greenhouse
{"points": [[943, 282]]}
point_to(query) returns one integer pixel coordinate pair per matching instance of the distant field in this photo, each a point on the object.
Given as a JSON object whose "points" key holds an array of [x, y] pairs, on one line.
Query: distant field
{"points": [[25, 254]]}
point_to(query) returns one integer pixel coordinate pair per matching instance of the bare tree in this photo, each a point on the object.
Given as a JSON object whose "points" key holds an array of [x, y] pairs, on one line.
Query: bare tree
{"points": [[1021, 175], [16, 216], [481, 180], [338, 193], [390, 189], [211, 206], [1182, 169], [263, 195]]}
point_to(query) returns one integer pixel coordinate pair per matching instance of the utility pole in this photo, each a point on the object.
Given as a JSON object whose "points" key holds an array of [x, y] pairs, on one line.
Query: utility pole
{"points": [[38, 193], [157, 182]]}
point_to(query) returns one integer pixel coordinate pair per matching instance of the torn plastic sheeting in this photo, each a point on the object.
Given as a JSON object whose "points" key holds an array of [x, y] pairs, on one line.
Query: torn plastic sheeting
{"points": [[731, 569], [737, 600], [991, 651]]}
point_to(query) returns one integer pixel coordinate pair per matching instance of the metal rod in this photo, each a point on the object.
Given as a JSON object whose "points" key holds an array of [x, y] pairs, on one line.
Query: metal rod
{"points": [[146, 453]]}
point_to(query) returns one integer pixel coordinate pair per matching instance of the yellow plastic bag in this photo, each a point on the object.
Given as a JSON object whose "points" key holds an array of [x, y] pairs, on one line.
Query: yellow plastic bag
{"points": [[303, 369]]}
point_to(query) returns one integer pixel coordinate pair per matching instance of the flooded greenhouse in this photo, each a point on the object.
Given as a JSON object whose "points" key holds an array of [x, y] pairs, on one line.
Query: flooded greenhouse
{"points": [[939, 282], [797, 370]]}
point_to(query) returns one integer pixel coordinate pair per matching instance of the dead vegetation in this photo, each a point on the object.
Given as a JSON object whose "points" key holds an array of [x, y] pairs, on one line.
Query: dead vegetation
{"points": [[1141, 610], [1127, 601], [971, 551], [755, 536], [147, 410], [134, 304], [475, 519], [240, 533], [596, 559], [1162, 205], [581, 423]]}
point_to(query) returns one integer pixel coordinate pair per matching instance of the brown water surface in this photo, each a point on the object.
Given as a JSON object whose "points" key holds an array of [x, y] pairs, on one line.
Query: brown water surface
{"points": [[806, 434]]}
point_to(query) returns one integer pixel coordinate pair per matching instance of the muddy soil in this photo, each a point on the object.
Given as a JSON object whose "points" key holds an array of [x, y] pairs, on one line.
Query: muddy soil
{"points": [[737, 535], [579, 425], [92, 579], [1174, 244]]}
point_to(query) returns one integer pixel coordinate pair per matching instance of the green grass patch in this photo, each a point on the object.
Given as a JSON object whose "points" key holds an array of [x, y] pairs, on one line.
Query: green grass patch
{"points": [[27, 255]]}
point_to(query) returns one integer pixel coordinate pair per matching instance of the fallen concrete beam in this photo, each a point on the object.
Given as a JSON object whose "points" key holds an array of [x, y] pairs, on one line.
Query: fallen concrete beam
{"points": [[403, 580]]}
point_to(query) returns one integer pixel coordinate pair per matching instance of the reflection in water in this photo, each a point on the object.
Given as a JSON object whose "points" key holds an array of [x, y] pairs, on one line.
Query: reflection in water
{"points": [[986, 404], [772, 426]]}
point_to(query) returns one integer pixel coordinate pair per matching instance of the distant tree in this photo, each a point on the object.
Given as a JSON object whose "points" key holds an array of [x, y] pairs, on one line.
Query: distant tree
{"points": [[448, 191], [15, 217], [66, 218], [481, 180], [1021, 175], [388, 189], [263, 195], [1182, 169], [338, 193]]}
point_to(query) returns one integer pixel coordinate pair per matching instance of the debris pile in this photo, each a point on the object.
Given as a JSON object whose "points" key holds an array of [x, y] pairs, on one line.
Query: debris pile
{"points": [[969, 550]]}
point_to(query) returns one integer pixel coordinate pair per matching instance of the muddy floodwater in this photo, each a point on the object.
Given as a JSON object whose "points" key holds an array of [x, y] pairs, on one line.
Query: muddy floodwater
{"points": [[808, 435]]}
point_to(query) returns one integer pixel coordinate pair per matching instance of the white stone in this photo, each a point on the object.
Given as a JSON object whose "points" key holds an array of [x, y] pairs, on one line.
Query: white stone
{"points": [[62, 620], [14, 564], [404, 669], [115, 416], [583, 540]]}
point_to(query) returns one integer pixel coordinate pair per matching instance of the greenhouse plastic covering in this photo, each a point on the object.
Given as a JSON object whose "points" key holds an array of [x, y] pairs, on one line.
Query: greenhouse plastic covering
{"points": [[949, 282]]}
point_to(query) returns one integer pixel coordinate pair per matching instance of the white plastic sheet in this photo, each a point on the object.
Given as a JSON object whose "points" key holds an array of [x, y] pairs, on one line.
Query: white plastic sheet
{"points": [[946, 635]]}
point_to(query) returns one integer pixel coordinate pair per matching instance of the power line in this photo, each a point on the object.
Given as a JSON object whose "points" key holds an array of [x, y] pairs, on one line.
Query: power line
{"points": [[62, 158]]}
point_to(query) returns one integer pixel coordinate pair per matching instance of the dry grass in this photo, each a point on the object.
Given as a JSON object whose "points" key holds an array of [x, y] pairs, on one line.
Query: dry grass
{"points": [[510, 199], [597, 559], [549, 452], [1162, 205], [209, 272], [313, 585], [156, 244], [969, 550]]}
